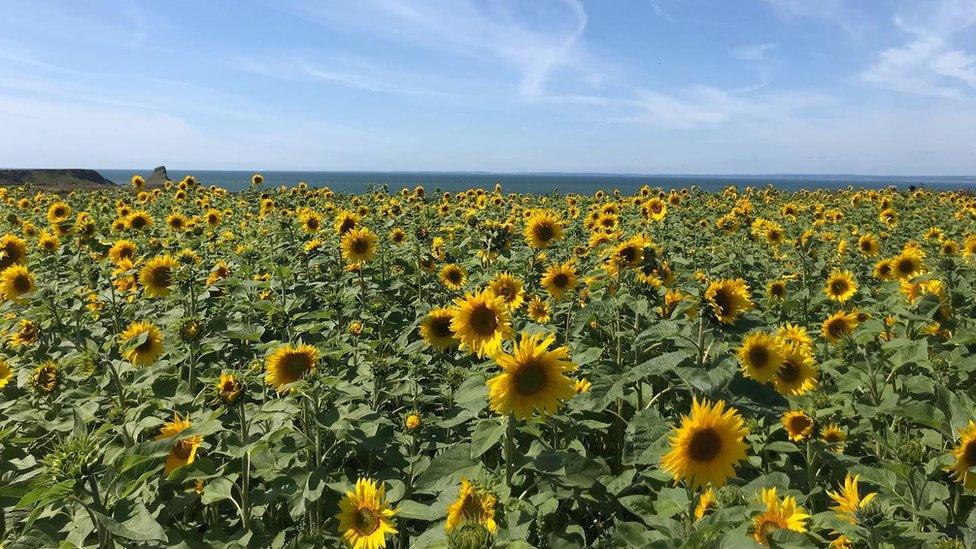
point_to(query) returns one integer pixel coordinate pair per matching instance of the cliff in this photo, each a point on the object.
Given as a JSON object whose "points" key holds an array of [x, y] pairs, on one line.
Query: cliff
{"points": [[58, 180]]}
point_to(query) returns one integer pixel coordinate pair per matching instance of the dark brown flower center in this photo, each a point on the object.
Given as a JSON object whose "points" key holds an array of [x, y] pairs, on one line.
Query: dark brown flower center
{"points": [[705, 445], [759, 356], [365, 521], [359, 246], [161, 276], [22, 283], [790, 372], [838, 286], [531, 379], [182, 448], [483, 320], [544, 232], [441, 326], [969, 454], [798, 424], [561, 280], [296, 365], [723, 301]]}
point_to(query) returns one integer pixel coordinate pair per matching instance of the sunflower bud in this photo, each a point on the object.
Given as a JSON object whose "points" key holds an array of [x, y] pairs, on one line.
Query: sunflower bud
{"points": [[74, 459], [469, 535]]}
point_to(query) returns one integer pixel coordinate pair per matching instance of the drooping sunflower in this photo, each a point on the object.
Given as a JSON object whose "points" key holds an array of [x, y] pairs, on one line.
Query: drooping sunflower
{"points": [[25, 335], [839, 325], [834, 437], [16, 282], [542, 229], [184, 450], [559, 279], [453, 276], [365, 517], [534, 378], [777, 515], [798, 425], [13, 250], [707, 446], [582, 385], [142, 343], [509, 288], [6, 373], [849, 499], [841, 286], [359, 245], [46, 377], [481, 322], [156, 276], [435, 329], [728, 299], [761, 356], [288, 364], [798, 374], [965, 455], [48, 242], [473, 504], [539, 310]]}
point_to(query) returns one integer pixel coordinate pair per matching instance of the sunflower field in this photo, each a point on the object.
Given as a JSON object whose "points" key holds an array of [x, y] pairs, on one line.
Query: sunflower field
{"points": [[293, 367]]}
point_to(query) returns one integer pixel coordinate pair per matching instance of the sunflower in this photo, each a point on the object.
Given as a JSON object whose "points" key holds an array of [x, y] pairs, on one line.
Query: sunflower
{"points": [[221, 270], [534, 378], [582, 385], [453, 276], [965, 454], [728, 299], [473, 504], [559, 279], [776, 289], [46, 377], [908, 263], [795, 335], [156, 275], [228, 389], [883, 270], [542, 229], [398, 236], [177, 221], [778, 515], [138, 221], [184, 450], [345, 222], [13, 250], [435, 329], [15, 282], [365, 518], [288, 364], [143, 343], [868, 245], [707, 446], [839, 325], [834, 437], [48, 242], [59, 212], [481, 321], [849, 499], [706, 503], [798, 425], [841, 286], [798, 374], [509, 288], [654, 209], [26, 334], [6, 373], [761, 356], [539, 310], [359, 245]]}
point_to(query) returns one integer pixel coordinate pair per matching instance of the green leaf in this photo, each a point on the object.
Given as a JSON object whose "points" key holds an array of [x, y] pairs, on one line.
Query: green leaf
{"points": [[487, 433]]}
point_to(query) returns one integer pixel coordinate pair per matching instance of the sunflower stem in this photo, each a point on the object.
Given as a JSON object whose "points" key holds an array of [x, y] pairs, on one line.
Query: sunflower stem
{"points": [[509, 450]]}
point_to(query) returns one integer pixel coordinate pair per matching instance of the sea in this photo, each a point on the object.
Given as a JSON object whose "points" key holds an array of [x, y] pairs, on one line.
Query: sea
{"points": [[544, 183]]}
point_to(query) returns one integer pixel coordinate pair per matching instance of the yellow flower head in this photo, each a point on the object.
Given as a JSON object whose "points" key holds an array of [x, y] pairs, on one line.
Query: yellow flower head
{"points": [[534, 378], [707, 446], [365, 518]]}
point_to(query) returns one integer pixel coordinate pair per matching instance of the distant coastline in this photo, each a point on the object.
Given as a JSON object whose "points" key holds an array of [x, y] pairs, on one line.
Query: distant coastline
{"points": [[527, 182]]}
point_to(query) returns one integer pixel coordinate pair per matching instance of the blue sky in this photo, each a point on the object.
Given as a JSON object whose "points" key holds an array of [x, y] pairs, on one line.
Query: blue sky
{"points": [[627, 86]]}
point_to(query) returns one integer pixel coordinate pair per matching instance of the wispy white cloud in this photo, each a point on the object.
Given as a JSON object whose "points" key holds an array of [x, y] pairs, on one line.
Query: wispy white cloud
{"points": [[928, 64], [752, 52]]}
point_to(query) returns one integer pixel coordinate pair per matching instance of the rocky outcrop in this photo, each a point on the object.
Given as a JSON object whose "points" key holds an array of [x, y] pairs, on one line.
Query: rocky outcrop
{"points": [[158, 178], [56, 179]]}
